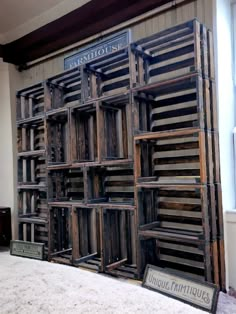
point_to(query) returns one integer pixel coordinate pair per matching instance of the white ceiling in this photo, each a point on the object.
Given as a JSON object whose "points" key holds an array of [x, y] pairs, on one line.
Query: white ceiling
{"points": [[19, 17], [16, 12]]}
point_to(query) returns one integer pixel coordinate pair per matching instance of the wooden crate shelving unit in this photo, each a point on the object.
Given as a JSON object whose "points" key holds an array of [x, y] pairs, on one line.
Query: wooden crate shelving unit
{"points": [[32, 173], [118, 159]]}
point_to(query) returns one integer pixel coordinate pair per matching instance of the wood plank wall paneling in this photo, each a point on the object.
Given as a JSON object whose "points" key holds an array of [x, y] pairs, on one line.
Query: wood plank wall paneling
{"points": [[201, 9]]}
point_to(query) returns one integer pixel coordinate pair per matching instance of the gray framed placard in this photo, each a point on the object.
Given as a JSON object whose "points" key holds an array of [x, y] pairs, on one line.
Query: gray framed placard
{"points": [[199, 294], [98, 49], [27, 249]]}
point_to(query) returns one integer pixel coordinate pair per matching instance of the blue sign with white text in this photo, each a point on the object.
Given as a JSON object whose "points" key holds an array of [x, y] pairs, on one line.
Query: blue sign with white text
{"points": [[97, 49]]}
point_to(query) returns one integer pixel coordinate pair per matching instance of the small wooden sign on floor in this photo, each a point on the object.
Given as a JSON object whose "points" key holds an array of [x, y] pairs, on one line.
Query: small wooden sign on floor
{"points": [[27, 249], [196, 293]]}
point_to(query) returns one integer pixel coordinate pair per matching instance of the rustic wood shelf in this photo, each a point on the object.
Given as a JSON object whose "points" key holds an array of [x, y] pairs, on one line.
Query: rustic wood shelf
{"points": [[118, 160]]}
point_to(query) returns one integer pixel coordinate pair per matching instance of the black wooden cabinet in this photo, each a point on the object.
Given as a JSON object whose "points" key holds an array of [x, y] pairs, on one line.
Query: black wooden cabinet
{"points": [[5, 226]]}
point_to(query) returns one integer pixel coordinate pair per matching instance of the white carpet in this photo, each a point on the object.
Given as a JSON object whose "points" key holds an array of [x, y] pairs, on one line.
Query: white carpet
{"points": [[30, 286]]}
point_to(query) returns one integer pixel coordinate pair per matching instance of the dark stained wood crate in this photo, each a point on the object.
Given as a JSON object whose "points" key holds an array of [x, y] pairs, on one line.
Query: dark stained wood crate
{"points": [[86, 236], [180, 208], [33, 213], [115, 128], [111, 184], [66, 185], [118, 239], [169, 54], [30, 138], [173, 157], [33, 228], [63, 90], [32, 171], [60, 238], [30, 198], [102, 131], [57, 138], [177, 104], [180, 252], [30, 103], [107, 75], [84, 134]]}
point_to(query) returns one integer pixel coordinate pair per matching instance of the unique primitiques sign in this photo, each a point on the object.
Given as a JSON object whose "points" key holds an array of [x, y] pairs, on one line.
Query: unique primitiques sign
{"points": [[97, 50], [27, 249], [199, 294]]}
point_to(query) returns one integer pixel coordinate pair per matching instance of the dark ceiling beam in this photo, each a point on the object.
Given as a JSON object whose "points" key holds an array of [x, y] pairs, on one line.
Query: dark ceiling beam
{"points": [[90, 19]]}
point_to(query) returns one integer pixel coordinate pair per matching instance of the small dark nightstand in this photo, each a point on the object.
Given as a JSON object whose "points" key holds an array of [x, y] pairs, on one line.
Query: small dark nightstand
{"points": [[5, 226]]}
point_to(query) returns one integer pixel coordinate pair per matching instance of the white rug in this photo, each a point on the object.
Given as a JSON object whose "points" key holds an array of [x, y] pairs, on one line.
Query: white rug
{"points": [[30, 286]]}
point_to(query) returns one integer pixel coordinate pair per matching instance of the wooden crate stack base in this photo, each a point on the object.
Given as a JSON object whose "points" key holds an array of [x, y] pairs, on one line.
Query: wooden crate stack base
{"points": [[118, 234], [94, 237], [32, 211], [33, 228], [60, 237], [176, 149], [118, 159], [181, 252], [176, 195]]}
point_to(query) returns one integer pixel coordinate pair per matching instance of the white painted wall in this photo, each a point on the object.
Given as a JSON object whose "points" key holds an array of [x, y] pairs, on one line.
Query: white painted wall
{"points": [[226, 112], [226, 103], [6, 154]]}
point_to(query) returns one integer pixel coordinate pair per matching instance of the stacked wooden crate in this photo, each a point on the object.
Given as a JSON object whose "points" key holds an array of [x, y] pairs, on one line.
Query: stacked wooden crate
{"points": [[89, 139], [125, 150], [32, 174], [176, 154]]}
